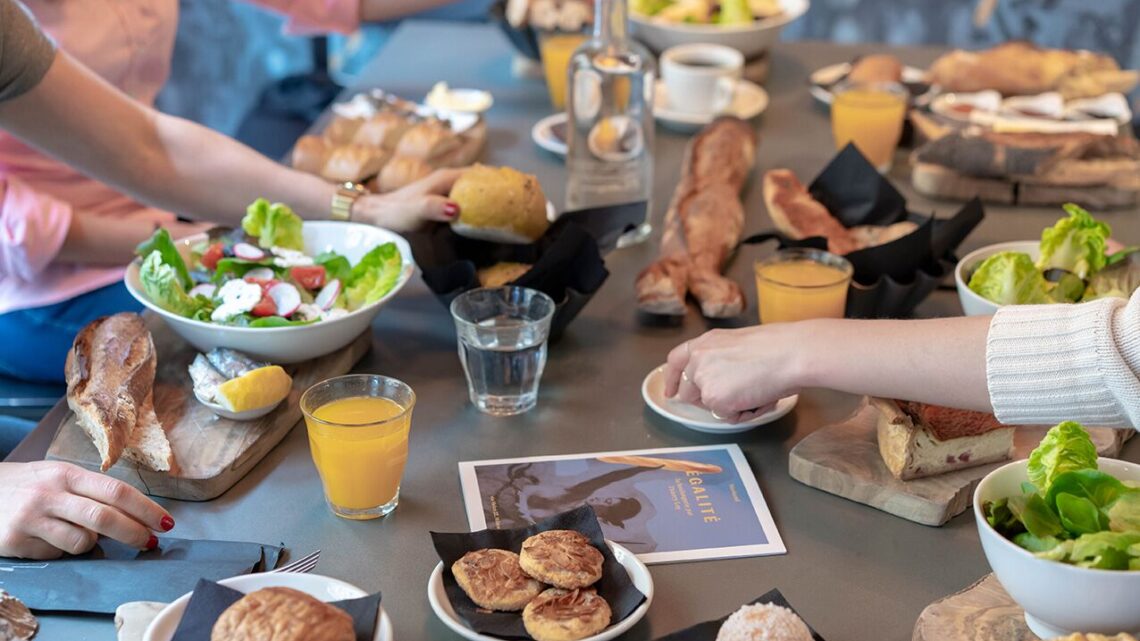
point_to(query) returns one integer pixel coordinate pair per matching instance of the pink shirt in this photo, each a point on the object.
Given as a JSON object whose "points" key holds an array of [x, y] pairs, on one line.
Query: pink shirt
{"points": [[129, 43]]}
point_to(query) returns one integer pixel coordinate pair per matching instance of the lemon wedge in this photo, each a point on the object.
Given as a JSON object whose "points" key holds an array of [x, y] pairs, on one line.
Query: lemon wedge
{"points": [[262, 387]]}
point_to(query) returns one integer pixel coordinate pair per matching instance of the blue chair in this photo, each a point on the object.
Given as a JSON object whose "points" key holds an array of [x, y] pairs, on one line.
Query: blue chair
{"points": [[22, 405]]}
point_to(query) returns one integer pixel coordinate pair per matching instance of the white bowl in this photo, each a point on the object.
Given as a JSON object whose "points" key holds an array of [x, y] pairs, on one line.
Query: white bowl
{"points": [[638, 574], [750, 39], [325, 588], [973, 304], [1058, 599], [290, 344]]}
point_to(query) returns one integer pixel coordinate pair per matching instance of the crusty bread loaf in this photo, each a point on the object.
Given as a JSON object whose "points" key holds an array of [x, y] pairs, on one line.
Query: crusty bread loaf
{"points": [[148, 445]]}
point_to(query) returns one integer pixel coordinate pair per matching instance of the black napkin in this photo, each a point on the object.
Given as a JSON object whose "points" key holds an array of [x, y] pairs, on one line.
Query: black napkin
{"points": [[614, 586], [707, 631], [113, 573], [891, 279], [567, 265], [210, 600]]}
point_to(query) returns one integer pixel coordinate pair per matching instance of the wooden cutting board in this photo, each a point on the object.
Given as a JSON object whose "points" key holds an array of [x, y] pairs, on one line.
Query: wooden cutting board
{"points": [[940, 182], [213, 453], [844, 460], [981, 612]]}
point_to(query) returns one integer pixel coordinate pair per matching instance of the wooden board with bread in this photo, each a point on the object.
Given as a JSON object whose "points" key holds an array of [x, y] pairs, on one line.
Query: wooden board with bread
{"points": [[848, 460], [135, 416]]}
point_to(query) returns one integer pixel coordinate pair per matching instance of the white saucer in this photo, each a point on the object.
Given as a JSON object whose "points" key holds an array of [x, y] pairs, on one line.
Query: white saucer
{"points": [[638, 574], [824, 77], [325, 588], [543, 134], [701, 420], [247, 415], [749, 100]]}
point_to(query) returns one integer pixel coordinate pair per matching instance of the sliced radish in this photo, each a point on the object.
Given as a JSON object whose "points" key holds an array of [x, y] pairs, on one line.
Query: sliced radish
{"points": [[245, 251], [327, 298], [287, 298], [260, 273], [205, 289]]}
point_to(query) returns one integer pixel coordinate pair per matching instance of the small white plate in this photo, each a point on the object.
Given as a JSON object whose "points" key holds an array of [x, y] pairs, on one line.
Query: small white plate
{"points": [[824, 77], [749, 100], [701, 420], [544, 133], [325, 588], [247, 415], [638, 574]]}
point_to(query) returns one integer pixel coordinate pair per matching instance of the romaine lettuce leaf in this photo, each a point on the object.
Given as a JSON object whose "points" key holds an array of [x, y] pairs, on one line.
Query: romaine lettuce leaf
{"points": [[160, 282], [1075, 244], [274, 225], [1010, 278], [336, 266], [374, 276], [1066, 447], [735, 12], [162, 243]]}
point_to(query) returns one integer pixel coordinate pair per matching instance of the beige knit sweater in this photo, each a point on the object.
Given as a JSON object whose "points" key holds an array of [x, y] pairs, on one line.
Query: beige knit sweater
{"points": [[1051, 363]]}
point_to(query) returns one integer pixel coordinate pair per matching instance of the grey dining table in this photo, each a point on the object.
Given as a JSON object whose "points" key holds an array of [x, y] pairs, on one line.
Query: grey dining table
{"points": [[853, 572]]}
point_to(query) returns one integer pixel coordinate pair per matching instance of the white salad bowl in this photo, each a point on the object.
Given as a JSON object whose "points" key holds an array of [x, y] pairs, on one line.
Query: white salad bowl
{"points": [[973, 304], [1058, 598], [302, 342], [749, 39]]}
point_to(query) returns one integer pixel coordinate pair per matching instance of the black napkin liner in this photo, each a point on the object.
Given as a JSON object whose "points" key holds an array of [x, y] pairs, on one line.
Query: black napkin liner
{"points": [[615, 585], [113, 573], [707, 631], [210, 600], [567, 265], [891, 279]]}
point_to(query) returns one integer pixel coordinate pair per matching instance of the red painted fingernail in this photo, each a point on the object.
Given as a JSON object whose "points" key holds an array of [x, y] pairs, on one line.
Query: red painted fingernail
{"points": [[167, 524], [451, 209], [152, 542]]}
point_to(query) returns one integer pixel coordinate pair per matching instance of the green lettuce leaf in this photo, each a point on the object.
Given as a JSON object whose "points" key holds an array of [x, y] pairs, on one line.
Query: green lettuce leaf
{"points": [[1104, 550], [374, 276], [1035, 515], [162, 243], [228, 268], [1079, 515], [1066, 446], [1075, 244], [1010, 278], [1034, 544], [735, 12], [161, 284], [1124, 514], [274, 225], [1097, 487], [277, 321], [336, 266]]}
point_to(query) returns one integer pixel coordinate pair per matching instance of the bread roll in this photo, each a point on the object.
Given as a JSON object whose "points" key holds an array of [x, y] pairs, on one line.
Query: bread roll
{"points": [[499, 204], [400, 172], [282, 614], [428, 140], [876, 69]]}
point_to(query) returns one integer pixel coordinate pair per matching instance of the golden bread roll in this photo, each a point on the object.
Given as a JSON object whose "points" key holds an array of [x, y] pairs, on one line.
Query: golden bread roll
{"points": [[500, 204], [400, 172], [500, 274], [428, 140], [875, 69], [282, 614], [383, 130]]}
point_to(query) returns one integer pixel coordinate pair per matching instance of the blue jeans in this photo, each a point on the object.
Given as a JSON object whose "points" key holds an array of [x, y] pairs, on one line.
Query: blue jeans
{"points": [[34, 342]]}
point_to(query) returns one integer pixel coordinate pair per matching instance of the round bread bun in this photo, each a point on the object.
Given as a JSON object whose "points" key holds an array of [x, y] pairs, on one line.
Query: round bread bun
{"points": [[763, 622], [499, 204], [494, 580], [562, 558], [282, 614], [876, 69], [566, 615], [500, 274]]}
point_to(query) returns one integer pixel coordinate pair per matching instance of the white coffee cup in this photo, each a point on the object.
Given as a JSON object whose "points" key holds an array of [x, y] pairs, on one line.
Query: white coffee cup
{"points": [[701, 78]]}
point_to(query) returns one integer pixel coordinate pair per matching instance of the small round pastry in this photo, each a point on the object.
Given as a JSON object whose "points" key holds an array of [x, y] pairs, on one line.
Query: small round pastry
{"points": [[566, 615], [282, 614], [494, 580], [563, 558], [763, 622]]}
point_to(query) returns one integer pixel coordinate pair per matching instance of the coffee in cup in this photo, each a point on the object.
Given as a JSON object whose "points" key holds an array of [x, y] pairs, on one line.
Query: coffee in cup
{"points": [[701, 78]]}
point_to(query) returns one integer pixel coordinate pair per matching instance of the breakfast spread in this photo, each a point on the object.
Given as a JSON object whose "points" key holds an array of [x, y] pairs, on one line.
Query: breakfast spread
{"points": [[494, 580], [703, 225], [725, 12], [763, 622], [562, 558], [917, 440], [236, 382], [282, 614], [110, 379], [1070, 511], [566, 615], [501, 204]]}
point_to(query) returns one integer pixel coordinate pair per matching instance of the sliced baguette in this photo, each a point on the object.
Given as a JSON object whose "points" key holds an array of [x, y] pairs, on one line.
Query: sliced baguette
{"points": [[148, 444]]}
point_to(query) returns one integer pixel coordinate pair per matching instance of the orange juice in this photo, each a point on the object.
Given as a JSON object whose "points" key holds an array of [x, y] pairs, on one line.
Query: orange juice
{"points": [[792, 290], [556, 49], [360, 446], [872, 118]]}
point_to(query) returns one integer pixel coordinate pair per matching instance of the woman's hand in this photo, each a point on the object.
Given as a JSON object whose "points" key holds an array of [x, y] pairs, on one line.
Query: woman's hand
{"points": [[48, 509], [736, 374], [411, 206]]}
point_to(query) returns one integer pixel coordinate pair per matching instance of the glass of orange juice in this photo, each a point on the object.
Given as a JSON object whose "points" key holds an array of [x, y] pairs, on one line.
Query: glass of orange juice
{"points": [[798, 284], [556, 48], [358, 433], [871, 116]]}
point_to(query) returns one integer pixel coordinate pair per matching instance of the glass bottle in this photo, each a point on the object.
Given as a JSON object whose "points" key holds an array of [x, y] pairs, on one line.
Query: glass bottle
{"points": [[609, 108]]}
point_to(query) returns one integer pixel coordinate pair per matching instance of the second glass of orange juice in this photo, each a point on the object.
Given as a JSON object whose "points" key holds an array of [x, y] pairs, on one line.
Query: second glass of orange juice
{"points": [[556, 48], [798, 284], [871, 116], [358, 433]]}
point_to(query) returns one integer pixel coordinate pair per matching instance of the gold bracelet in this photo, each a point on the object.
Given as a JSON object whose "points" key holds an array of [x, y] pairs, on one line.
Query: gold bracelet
{"points": [[342, 201]]}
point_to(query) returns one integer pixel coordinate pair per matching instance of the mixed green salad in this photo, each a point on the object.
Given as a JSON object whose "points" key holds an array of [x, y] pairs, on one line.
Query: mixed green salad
{"points": [[1070, 511], [259, 275], [724, 12], [1073, 267]]}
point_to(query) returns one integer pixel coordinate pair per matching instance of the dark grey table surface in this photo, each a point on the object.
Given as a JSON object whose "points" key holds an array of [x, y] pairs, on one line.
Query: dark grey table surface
{"points": [[853, 572]]}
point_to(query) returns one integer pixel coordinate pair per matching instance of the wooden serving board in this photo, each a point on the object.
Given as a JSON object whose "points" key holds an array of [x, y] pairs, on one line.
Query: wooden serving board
{"points": [[981, 612], [213, 453], [940, 182], [844, 460]]}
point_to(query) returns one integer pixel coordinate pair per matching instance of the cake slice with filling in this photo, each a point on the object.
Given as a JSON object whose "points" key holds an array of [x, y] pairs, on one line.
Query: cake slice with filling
{"points": [[917, 440]]}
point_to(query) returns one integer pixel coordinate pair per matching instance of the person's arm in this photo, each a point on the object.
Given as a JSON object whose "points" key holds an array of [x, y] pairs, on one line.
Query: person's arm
{"points": [[309, 17], [384, 10]]}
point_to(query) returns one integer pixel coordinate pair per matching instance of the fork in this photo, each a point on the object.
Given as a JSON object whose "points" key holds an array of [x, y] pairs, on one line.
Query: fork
{"points": [[302, 565]]}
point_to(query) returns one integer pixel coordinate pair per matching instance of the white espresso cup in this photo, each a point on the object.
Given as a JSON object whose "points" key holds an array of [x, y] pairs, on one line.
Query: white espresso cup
{"points": [[701, 78]]}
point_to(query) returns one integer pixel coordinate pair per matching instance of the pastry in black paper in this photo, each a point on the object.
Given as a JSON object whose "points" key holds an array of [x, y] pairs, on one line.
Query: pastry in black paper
{"points": [[709, 630], [615, 586]]}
